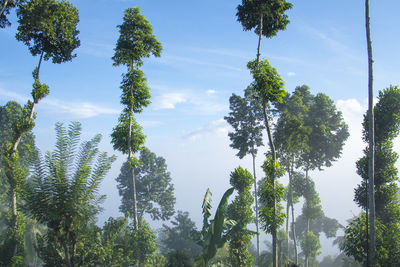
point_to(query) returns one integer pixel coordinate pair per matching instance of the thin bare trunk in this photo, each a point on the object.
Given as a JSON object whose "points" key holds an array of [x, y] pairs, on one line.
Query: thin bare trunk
{"points": [[130, 156], [3, 7], [287, 227], [256, 206], [371, 168], [367, 222], [294, 237], [273, 151], [259, 38], [40, 63]]}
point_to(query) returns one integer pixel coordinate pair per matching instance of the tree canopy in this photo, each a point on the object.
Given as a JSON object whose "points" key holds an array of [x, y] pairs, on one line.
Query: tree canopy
{"points": [[48, 27], [154, 188]]}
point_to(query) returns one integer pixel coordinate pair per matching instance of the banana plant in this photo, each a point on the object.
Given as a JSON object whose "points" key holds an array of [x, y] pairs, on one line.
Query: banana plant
{"points": [[216, 232]]}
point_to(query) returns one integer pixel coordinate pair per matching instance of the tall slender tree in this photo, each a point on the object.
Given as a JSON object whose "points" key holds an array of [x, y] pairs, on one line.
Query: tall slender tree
{"points": [[371, 132], [266, 17], [136, 41], [48, 28], [291, 135], [267, 88], [246, 119], [310, 133], [387, 127]]}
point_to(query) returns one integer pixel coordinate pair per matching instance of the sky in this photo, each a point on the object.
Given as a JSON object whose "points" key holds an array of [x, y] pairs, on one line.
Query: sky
{"points": [[205, 52]]}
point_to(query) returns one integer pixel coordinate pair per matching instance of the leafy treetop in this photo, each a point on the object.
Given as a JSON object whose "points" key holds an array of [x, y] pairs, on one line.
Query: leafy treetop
{"points": [[273, 16], [48, 27], [267, 84], [136, 39]]}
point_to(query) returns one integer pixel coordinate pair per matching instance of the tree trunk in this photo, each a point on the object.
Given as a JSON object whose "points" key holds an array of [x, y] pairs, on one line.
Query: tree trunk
{"points": [[3, 7], [371, 134], [259, 38], [256, 206], [130, 156], [289, 203], [12, 154], [287, 226], [273, 151], [294, 236]]}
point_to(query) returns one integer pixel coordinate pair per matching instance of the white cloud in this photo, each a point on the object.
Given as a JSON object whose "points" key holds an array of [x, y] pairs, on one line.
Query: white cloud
{"points": [[74, 109], [169, 100], [211, 92], [12, 96], [350, 107], [218, 127], [291, 73], [78, 109]]}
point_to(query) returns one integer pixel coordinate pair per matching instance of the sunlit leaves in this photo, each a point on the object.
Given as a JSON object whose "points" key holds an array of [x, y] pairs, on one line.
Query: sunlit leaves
{"points": [[49, 27], [136, 39], [273, 12], [271, 213], [120, 135], [267, 84]]}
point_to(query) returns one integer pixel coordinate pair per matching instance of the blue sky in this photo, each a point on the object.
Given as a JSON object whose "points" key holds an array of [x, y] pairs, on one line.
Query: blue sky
{"points": [[202, 64]]}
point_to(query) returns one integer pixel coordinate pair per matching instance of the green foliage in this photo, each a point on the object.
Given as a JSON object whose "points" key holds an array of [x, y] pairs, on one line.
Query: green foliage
{"points": [[63, 191], [215, 233], [120, 135], [154, 188], [387, 127], [267, 84], [8, 6], [387, 242], [246, 120], [329, 131], [240, 211], [99, 246], [39, 90], [271, 214], [11, 239], [179, 258], [49, 27], [310, 246], [291, 133], [138, 246], [273, 11], [178, 237], [310, 132], [135, 91], [136, 39], [157, 260], [312, 207]]}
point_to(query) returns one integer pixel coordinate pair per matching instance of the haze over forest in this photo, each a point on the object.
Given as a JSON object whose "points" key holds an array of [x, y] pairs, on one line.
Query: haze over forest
{"points": [[198, 61]]}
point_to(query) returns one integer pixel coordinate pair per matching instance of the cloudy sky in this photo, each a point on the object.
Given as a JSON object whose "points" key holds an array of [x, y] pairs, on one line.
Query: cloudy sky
{"points": [[205, 52]]}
